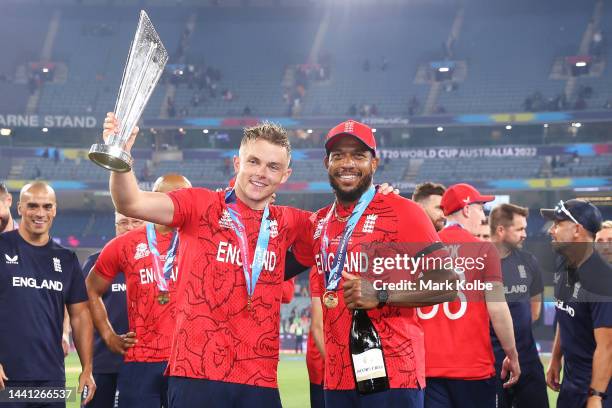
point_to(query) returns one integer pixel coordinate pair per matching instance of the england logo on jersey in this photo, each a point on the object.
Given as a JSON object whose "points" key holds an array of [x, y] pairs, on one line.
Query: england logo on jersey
{"points": [[368, 225], [522, 272], [226, 220], [57, 265], [142, 251], [12, 260]]}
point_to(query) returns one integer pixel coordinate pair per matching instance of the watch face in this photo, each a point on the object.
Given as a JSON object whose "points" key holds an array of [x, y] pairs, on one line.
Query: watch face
{"points": [[383, 295]]}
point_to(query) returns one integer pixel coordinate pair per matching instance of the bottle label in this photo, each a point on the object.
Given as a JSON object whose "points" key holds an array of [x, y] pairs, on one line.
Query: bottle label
{"points": [[369, 365]]}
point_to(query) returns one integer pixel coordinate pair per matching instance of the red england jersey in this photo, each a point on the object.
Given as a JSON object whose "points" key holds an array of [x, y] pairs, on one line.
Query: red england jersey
{"points": [[216, 336], [314, 360], [152, 322], [387, 219], [457, 339]]}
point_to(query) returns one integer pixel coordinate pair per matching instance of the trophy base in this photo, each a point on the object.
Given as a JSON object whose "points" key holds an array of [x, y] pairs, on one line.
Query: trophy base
{"points": [[111, 157]]}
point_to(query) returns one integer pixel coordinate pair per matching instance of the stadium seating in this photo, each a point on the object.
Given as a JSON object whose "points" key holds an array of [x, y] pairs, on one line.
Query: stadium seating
{"points": [[509, 55]]}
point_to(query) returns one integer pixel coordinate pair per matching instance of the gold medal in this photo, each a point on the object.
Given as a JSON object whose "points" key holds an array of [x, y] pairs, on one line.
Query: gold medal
{"points": [[163, 298], [330, 299]]}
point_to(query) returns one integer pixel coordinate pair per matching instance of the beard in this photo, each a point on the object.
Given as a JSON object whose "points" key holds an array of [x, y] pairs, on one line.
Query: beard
{"points": [[3, 223], [354, 194]]}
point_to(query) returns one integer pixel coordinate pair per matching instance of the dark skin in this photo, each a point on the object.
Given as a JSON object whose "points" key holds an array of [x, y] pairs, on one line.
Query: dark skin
{"points": [[97, 285], [351, 166]]}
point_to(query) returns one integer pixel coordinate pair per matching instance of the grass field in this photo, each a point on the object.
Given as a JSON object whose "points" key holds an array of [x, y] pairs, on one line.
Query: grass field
{"points": [[292, 374]]}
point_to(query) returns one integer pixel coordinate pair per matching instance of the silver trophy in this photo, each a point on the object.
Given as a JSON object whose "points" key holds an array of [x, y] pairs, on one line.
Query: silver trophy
{"points": [[145, 64]]}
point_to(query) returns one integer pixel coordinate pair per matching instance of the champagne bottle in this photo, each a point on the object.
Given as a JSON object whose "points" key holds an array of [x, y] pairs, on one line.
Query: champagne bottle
{"points": [[367, 355]]}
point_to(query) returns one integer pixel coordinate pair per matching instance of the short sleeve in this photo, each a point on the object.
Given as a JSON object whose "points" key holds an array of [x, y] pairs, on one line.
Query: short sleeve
{"points": [[601, 314], [316, 283], [77, 292], [300, 222], [492, 270], [537, 285], [189, 204], [108, 264]]}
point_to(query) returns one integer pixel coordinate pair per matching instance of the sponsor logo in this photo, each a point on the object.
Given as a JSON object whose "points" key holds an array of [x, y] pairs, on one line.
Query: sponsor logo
{"points": [[273, 229], [12, 260], [368, 225], [317, 233], [142, 251], [57, 265]]}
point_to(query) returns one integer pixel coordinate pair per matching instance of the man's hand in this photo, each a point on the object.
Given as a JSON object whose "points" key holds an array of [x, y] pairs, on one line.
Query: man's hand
{"points": [[66, 344], [120, 344], [594, 402], [386, 188], [553, 374], [86, 380], [358, 293], [3, 377], [111, 127], [512, 367]]}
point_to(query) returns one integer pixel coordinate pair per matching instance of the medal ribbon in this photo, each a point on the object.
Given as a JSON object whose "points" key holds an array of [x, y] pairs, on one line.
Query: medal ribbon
{"points": [[162, 274], [332, 278], [251, 272]]}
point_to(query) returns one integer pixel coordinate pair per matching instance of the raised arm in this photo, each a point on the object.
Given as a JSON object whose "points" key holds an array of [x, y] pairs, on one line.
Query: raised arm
{"points": [[129, 200]]}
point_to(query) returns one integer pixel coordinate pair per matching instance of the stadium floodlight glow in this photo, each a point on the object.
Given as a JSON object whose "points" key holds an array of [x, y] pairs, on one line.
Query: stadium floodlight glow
{"points": [[444, 69], [508, 127], [581, 64], [576, 124], [546, 125], [309, 131], [45, 130], [182, 130], [5, 132], [440, 129], [374, 130], [45, 70], [205, 131]]}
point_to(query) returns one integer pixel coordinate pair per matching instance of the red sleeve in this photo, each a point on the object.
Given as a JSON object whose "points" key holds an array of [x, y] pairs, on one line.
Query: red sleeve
{"points": [[109, 263], [315, 283], [189, 204], [415, 225], [492, 271], [300, 223], [288, 291]]}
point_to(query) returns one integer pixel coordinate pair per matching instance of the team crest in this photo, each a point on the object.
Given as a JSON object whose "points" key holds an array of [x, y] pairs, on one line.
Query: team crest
{"points": [[368, 225], [522, 272], [226, 220], [57, 265], [142, 251], [273, 229], [577, 287]]}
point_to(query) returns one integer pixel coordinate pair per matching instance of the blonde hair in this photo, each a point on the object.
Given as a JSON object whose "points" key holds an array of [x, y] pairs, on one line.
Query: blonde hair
{"points": [[268, 131]]}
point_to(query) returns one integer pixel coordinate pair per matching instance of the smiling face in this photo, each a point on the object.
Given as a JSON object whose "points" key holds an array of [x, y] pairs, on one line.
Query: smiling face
{"points": [[37, 208], [261, 168], [350, 167]]}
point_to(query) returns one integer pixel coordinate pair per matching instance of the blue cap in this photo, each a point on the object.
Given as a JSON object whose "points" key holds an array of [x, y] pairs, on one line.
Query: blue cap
{"points": [[583, 212]]}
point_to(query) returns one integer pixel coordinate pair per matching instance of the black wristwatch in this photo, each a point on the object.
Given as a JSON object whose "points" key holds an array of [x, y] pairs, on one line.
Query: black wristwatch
{"points": [[594, 393], [382, 296]]}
